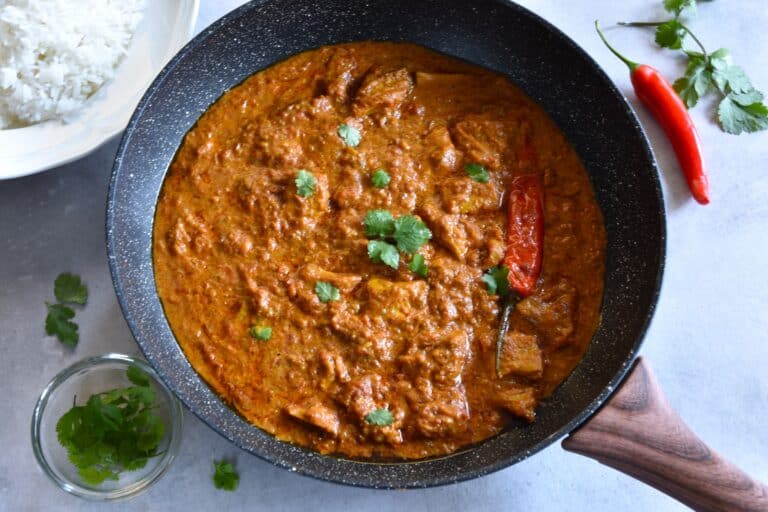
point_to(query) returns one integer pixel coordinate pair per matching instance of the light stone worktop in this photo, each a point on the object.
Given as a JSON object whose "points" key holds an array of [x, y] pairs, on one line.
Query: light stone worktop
{"points": [[708, 343]]}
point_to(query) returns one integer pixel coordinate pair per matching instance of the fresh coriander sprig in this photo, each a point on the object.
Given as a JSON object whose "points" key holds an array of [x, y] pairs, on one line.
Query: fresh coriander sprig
{"points": [[326, 292], [379, 223], [411, 233], [741, 108], [59, 323], [406, 234], [383, 252], [305, 183], [477, 172], [68, 289], [379, 418], [418, 266], [114, 431], [350, 135], [225, 477], [260, 332], [496, 279], [380, 178]]}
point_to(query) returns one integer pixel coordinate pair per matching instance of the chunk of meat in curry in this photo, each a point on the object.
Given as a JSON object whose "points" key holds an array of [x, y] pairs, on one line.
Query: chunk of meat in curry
{"points": [[236, 246]]}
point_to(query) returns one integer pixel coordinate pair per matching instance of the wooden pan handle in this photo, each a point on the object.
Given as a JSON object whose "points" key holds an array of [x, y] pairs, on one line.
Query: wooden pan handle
{"points": [[638, 433]]}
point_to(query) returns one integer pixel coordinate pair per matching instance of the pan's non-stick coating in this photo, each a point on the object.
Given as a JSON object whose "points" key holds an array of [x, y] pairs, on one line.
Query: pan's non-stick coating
{"points": [[500, 36]]}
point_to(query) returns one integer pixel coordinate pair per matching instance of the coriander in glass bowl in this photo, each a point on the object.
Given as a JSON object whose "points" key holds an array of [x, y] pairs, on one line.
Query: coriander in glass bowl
{"points": [[106, 428]]}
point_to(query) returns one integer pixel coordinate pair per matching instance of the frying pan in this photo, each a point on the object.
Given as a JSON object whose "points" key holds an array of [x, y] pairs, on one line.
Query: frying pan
{"points": [[635, 430]]}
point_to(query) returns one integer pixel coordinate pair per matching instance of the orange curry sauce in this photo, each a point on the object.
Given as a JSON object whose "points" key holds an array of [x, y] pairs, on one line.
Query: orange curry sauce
{"points": [[235, 246]]}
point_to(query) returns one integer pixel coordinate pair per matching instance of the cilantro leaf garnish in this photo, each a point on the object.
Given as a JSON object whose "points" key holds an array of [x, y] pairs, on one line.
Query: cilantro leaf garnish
{"points": [[326, 292], [69, 288], [418, 266], [411, 233], [497, 280], [741, 108], [305, 183], [379, 418], [379, 223], [114, 431], [380, 178], [383, 252], [224, 476], [477, 172], [406, 234], [261, 333], [58, 323], [350, 135]]}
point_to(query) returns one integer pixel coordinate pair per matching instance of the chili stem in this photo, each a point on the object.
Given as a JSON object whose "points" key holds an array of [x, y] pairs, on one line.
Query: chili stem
{"points": [[640, 23], [510, 301], [657, 23], [632, 65]]}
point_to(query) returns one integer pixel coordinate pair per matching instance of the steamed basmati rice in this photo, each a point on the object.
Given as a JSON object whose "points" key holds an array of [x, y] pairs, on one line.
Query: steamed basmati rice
{"points": [[54, 54]]}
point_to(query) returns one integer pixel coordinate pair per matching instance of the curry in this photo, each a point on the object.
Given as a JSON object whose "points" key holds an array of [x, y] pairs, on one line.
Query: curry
{"points": [[346, 341]]}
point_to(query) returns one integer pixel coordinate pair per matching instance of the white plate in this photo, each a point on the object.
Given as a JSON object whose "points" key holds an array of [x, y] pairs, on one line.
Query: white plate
{"points": [[166, 26]]}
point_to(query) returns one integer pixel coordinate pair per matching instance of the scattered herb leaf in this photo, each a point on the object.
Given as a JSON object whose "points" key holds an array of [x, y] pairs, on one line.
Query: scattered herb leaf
{"points": [[224, 476], [326, 292], [350, 135], [261, 333], [383, 252], [418, 266], [380, 178], [114, 431], [69, 288], [379, 418], [379, 223], [58, 323], [497, 280], [305, 183], [477, 172], [411, 233]]}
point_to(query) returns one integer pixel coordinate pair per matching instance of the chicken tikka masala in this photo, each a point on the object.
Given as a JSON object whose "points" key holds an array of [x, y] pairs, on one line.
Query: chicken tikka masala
{"points": [[327, 249]]}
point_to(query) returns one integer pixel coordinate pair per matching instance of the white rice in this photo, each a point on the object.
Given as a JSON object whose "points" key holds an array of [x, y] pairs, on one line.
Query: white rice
{"points": [[54, 54]]}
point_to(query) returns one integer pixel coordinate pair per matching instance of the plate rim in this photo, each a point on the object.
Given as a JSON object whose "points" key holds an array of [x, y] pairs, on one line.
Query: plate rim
{"points": [[184, 36]]}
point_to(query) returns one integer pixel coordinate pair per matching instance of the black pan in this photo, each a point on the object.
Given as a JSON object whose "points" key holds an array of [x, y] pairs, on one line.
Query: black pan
{"points": [[500, 36]]}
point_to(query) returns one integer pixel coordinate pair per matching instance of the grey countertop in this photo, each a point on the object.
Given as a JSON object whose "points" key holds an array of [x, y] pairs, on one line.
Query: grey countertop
{"points": [[707, 343]]}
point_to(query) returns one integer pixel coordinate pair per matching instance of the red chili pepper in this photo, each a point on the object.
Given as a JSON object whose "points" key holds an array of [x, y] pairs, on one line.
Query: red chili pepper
{"points": [[662, 100], [525, 238], [525, 233]]}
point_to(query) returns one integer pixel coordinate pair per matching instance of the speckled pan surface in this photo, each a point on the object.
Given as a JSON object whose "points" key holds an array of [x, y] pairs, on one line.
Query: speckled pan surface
{"points": [[498, 35]]}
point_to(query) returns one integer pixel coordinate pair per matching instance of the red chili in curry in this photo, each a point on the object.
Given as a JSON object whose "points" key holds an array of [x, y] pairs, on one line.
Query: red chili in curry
{"points": [[265, 269], [525, 243]]}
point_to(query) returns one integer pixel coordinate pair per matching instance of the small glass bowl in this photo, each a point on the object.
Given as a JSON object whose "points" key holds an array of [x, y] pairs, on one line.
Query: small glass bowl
{"points": [[81, 380]]}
